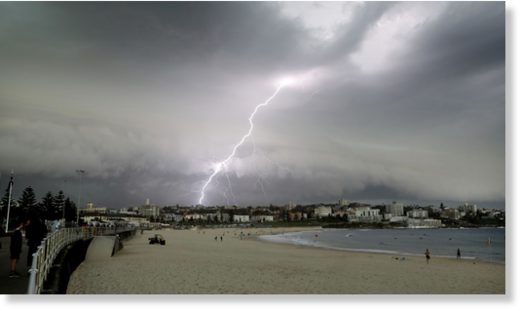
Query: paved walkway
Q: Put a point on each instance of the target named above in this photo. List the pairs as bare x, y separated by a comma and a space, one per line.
8, 285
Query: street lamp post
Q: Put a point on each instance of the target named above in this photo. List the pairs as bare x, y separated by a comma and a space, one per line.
11, 183
63, 203
81, 173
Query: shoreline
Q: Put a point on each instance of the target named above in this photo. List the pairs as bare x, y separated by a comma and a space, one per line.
376, 251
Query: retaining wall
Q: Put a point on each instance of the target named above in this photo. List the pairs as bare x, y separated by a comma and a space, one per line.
74, 254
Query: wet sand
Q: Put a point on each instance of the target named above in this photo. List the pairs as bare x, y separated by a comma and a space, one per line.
192, 262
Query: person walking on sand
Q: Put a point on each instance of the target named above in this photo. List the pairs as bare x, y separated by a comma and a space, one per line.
427, 254
458, 253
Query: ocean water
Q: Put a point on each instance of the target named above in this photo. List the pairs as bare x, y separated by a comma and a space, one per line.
473, 242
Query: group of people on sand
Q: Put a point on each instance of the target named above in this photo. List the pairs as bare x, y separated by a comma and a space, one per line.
427, 254
35, 232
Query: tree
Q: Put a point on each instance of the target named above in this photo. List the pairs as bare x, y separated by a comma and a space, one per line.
28, 201
59, 203
48, 207
70, 210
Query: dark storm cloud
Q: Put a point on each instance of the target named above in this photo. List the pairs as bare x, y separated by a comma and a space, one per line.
409, 103
160, 33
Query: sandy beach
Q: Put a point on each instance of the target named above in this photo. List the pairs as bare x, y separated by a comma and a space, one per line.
192, 262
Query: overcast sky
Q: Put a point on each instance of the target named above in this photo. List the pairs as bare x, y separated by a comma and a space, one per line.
392, 101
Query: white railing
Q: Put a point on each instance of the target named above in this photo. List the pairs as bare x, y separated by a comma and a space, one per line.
52, 245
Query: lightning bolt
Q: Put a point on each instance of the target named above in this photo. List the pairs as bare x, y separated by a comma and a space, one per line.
259, 179
226, 161
230, 188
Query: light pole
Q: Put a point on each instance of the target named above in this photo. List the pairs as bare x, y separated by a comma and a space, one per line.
63, 203
81, 173
11, 183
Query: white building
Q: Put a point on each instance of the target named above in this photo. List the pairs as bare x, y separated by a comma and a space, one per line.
149, 210
450, 213
322, 211
343, 202
127, 211
194, 216
469, 208
399, 219
172, 217
240, 218
367, 214
262, 218
211, 216
136, 220
91, 209
417, 213
396, 209
223, 216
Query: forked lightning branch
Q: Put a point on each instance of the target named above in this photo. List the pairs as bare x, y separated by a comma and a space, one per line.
219, 166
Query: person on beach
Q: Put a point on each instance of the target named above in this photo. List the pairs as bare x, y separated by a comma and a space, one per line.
427, 254
458, 253
221, 238
15, 249
216, 238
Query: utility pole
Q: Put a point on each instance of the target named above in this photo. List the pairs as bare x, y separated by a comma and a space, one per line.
11, 182
81, 173
63, 204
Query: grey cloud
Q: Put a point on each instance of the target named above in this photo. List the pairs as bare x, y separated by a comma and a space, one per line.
145, 96
351, 34
253, 34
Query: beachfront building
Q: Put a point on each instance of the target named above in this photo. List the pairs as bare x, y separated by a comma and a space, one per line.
128, 211
417, 213
468, 208
399, 219
93, 210
343, 202
322, 211
194, 216
450, 213
367, 214
172, 217
149, 210
340, 211
261, 215
223, 216
396, 209
240, 218
297, 214
212, 216
262, 218
387, 216
129, 219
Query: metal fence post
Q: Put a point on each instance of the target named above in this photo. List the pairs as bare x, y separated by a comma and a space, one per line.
32, 277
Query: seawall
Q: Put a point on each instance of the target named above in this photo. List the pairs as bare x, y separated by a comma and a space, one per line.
74, 254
